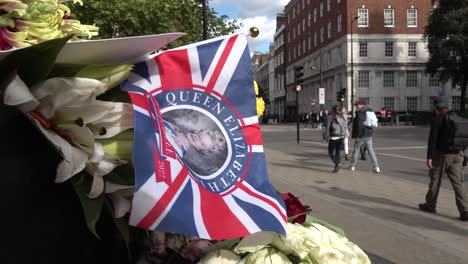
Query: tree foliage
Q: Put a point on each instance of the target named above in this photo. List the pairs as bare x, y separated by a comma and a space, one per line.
447, 36
118, 18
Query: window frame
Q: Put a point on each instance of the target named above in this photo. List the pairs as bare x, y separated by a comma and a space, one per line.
388, 82
410, 82
388, 49
434, 80
411, 105
412, 17
387, 104
363, 82
392, 17
363, 49
412, 51
363, 20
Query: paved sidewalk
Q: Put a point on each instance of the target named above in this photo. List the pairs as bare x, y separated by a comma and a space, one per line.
377, 212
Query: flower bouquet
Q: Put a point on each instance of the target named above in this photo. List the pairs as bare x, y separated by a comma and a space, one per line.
89, 123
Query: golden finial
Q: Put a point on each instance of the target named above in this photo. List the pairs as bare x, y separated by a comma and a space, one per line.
253, 32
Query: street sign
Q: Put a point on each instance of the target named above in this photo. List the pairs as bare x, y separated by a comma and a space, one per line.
321, 95
298, 88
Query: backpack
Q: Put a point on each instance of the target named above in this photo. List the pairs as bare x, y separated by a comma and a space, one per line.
371, 119
335, 129
456, 129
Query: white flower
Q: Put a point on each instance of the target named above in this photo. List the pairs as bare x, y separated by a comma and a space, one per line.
254, 242
67, 113
266, 255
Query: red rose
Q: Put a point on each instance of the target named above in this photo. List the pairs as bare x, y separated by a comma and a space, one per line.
295, 207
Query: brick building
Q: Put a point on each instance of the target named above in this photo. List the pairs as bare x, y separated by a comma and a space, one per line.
388, 54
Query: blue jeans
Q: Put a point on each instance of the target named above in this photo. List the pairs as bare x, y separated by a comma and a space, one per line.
357, 146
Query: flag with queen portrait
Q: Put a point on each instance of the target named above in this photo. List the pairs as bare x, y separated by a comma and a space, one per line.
198, 151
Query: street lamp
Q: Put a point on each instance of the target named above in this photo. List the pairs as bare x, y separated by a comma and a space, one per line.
352, 69
205, 26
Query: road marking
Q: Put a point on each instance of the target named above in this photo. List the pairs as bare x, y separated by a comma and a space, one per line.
396, 148
379, 153
400, 157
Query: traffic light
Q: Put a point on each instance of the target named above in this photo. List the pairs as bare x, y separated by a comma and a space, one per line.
341, 94
298, 74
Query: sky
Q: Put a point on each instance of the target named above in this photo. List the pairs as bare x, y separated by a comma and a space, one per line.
259, 13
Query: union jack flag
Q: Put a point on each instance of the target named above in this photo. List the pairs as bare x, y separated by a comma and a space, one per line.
198, 154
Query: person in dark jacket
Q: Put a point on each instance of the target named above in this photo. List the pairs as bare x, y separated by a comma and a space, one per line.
441, 159
363, 136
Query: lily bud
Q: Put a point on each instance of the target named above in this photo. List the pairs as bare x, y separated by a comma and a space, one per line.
120, 145
112, 74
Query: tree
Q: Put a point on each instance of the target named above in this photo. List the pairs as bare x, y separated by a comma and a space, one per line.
118, 18
447, 37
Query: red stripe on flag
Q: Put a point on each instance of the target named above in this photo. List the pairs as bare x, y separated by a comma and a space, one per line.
220, 221
268, 201
253, 135
174, 69
221, 63
164, 202
139, 100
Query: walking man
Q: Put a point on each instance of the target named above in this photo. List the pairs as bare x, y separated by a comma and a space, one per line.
362, 135
441, 159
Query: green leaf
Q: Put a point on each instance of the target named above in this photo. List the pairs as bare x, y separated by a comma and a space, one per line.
33, 63
121, 224
92, 208
312, 220
115, 95
225, 244
122, 175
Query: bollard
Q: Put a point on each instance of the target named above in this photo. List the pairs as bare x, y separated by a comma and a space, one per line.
397, 116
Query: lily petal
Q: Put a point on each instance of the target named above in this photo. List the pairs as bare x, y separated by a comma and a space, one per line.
89, 112
120, 118
56, 93
114, 187
97, 187
121, 204
74, 159
81, 136
18, 94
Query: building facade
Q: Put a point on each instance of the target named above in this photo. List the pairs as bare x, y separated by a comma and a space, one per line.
377, 47
278, 95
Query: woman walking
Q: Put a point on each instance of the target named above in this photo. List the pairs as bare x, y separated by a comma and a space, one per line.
337, 127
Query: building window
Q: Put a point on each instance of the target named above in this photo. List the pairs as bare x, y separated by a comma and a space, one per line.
338, 23
411, 79
309, 20
389, 17
363, 20
329, 30
389, 103
412, 17
321, 34
338, 1
411, 104
362, 49
456, 103
315, 39
434, 80
388, 79
304, 46
303, 25
363, 79
328, 5
412, 49
299, 49
315, 15
388, 49
294, 12
321, 9
309, 42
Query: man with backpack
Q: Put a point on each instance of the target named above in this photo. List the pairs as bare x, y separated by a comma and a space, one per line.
363, 129
448, 138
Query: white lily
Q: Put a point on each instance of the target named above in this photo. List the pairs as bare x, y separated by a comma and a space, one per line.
68, 114
120, 196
